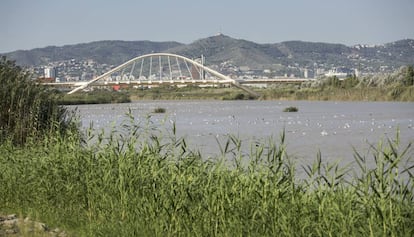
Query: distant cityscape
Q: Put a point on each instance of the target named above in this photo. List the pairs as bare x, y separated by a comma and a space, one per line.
70, 70
84, 70
236, 58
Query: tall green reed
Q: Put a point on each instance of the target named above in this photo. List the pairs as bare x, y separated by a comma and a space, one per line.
138, 179
387, 188
27, 109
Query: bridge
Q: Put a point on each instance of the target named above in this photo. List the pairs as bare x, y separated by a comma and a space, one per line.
165, 68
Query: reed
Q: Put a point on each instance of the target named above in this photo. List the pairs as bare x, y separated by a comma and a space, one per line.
27, 109
140, 180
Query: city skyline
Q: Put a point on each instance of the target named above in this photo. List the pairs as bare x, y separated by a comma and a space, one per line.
36, 24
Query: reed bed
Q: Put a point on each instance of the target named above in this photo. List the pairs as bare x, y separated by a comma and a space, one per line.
26, 108
139, 181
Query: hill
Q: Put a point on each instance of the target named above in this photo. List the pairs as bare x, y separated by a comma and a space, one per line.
301, 54
103, 52
221, 48
280, 57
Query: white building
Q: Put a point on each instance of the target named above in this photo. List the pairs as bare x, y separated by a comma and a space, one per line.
50, 72
305, 73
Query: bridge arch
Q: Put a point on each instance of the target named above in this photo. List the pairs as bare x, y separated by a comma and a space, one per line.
132, 63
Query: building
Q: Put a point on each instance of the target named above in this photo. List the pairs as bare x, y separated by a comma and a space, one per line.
50, 72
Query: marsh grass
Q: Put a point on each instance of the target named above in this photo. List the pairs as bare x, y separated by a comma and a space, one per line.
139, 181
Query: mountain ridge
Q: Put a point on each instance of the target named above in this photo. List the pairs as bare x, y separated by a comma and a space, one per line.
239, 52
100, 51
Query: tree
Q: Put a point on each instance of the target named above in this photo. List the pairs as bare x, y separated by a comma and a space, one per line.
27, 109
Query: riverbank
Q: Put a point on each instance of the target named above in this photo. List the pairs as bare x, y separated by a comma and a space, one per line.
283, 92
397, 86
391, 93
287, 92
94, 97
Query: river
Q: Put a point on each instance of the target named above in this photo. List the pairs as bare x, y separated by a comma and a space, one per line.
333, 128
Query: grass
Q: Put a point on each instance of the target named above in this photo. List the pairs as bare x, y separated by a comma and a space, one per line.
95, 97
279, 92
274, 92
140, 181
188, 93
362, 93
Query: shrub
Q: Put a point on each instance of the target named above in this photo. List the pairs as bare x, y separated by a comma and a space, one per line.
291, 109
239, 96
159, 110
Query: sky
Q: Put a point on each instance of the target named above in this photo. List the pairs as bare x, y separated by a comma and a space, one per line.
28, 24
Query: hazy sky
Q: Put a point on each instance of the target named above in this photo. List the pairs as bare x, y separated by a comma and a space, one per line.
27, 24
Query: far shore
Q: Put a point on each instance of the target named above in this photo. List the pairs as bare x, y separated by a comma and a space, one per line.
276, 93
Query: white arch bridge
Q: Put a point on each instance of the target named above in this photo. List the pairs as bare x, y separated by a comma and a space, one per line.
160, 68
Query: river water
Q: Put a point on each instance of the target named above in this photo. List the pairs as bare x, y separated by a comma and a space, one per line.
333, 128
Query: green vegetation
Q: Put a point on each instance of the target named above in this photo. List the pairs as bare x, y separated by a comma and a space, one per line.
291, 109
27, 110
159, 110
395, 92
392, 87
95, 97
409, 76
139, 181
189, 93
388, 87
